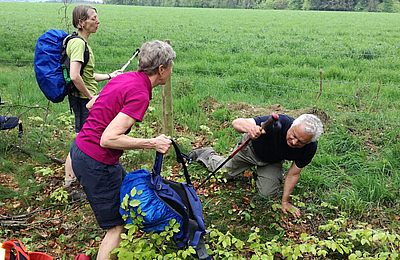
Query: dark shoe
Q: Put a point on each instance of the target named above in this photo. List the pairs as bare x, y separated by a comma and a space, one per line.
75, 192
76, 195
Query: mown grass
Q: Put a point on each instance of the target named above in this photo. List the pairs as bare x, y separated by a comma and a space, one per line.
229, 63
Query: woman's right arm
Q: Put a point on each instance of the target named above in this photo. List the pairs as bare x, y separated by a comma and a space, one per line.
75, 75
114, 137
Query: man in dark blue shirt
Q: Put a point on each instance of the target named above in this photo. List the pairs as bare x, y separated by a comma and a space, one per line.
295, 140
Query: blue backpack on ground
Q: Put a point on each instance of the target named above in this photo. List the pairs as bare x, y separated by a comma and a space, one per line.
10, 122
163, 200
51, 64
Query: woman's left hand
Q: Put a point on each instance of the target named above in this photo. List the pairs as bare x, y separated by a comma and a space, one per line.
115, 73
89, 105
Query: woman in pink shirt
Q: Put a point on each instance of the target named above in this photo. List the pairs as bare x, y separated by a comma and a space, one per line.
99, 145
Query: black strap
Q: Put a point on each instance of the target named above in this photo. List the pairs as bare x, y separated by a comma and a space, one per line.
20, 130
64, 57
179, 158
86, 54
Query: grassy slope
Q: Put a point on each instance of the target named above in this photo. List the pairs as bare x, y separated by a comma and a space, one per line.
224, 57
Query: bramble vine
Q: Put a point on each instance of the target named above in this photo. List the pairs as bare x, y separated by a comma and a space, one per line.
337, 239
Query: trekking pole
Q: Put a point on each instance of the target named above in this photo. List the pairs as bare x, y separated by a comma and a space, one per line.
129, 61
274, 118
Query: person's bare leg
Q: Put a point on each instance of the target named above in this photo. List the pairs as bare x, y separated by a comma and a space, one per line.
110, 241
69, 177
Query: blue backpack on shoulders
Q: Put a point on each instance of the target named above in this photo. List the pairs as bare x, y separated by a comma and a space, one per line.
163, 200
51, 64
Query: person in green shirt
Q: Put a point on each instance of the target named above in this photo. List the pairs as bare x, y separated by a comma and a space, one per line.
86, 22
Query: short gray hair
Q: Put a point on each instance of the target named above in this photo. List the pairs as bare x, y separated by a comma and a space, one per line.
312, 125
153, 54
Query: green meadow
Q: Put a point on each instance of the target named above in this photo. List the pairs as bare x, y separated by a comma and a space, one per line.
342, 66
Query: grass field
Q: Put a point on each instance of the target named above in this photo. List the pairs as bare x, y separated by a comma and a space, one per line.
229, 63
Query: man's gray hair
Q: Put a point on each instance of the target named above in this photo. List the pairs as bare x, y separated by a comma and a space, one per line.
153, 54
312, 125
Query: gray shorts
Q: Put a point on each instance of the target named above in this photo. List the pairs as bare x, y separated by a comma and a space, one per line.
101, 183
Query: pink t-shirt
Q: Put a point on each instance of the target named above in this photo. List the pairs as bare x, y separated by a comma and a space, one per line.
129, 93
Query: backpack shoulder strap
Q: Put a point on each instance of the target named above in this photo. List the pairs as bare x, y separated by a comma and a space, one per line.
17, 249
86, 54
